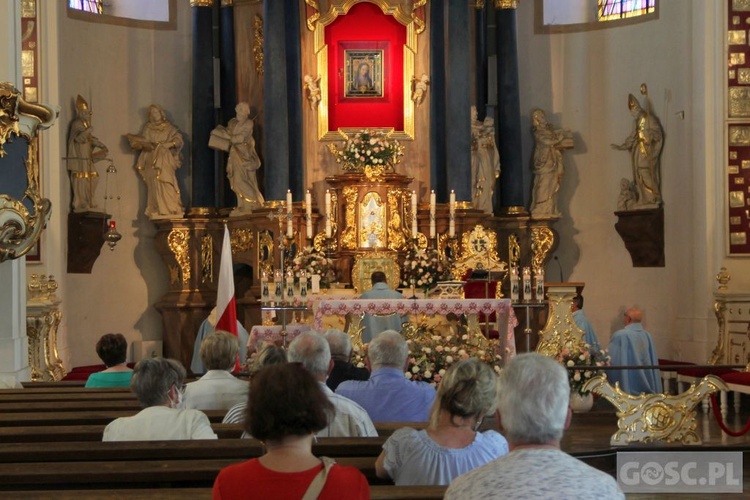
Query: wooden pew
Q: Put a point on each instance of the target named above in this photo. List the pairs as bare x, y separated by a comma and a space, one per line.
58, 406
66, 433
22, 397
92, 417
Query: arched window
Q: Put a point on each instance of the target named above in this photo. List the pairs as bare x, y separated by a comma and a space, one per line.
610, 10
92, 6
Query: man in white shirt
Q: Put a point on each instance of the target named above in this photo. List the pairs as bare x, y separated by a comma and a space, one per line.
157, 383
218, 389
351, 420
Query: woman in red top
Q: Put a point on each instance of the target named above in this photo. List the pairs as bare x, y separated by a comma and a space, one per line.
286, 407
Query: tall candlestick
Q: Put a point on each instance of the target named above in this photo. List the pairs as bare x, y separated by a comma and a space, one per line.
452, 217
308, 213
413, 214
328, 214
289, 226
432, 214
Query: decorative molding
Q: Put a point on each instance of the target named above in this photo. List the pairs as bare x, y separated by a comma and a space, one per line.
241, 240
258, 43
207, 259
506, 4
201, 3
179, 244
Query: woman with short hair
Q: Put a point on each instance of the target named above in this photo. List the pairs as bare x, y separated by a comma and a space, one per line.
112, 349
286, 407
218, 389
450, 445
157, 383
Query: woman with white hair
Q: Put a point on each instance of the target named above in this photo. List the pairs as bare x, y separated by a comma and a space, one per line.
451, 444
157, 383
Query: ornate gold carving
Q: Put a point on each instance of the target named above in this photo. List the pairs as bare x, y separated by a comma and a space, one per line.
12, 106
349, 236
718, 354
396, 238
741, 5
542, 239
371, 217
207, 259
179, 244
355, 329
367, 263
737, 37
478, 251
174, 275
655, 417
514, 251
43, 317
258, 44
560, 328
265, 253
723, 278
479, 4
241, 240
416, 19
201, 3
447, 247
506, 4
315, 16
739, 102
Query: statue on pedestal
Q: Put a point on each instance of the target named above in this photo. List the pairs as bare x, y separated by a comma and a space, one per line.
84, 150
160, 143
237, 139
547, 164
485, 162
645, 144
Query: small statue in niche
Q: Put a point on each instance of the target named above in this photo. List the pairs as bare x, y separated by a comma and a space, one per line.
159, 143
84, 150
313, 90
485, 161
627, 198
237, 139
419, 88
645, 145
549, 143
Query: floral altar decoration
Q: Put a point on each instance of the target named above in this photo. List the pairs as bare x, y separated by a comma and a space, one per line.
582, 355
423, 269
312, 261
371, 152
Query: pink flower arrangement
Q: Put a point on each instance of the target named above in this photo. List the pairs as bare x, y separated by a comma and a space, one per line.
312, 262
424, 267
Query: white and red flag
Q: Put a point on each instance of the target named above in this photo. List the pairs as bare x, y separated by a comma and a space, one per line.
226, 309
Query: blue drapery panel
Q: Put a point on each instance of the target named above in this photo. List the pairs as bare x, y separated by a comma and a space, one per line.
508, 120
282, 112
203, 188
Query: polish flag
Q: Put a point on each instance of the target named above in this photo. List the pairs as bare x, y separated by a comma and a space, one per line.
226, 309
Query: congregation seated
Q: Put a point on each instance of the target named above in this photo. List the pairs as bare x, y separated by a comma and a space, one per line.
287, 407
218, 389
157, 383
207, 328
341, 353
633, 345
349, 419
269, 354
112, 349
388, 396
533, 411
450, 445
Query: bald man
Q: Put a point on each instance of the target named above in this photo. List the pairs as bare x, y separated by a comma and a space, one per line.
633, 345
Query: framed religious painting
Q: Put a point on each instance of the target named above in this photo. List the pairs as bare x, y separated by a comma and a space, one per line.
364, 73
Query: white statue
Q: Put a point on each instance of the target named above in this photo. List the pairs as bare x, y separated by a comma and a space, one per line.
84, 150
419, 88
313, 90
548, 164
485, 162
645, 143
243, 159
160, 143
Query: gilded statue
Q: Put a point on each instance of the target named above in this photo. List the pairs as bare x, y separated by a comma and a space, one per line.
645, 145
549, 143
84, 150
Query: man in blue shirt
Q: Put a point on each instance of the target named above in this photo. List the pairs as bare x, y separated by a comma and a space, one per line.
634, 346
373, 325
583, 323
388, 396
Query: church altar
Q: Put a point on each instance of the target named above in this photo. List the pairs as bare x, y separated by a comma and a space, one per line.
273, 333
506, 318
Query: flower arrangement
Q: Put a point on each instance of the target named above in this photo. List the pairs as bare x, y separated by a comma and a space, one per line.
430, 356
367, 149
313, 261
582, 356
424, 267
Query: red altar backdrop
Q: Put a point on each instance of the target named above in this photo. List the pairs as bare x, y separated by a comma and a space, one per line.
366, 28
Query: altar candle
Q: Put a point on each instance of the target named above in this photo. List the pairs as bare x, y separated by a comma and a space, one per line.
432, 214
308, 213
289, 228
527, 284
328, 213
452, 217
413, 214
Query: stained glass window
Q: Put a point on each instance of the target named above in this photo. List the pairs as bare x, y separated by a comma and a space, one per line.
93, 6
610, 10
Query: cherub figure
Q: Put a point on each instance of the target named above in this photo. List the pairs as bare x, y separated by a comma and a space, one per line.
313, 90
627, 198
419, 88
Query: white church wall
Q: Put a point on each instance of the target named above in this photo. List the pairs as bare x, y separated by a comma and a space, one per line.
120, 71
582, 80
